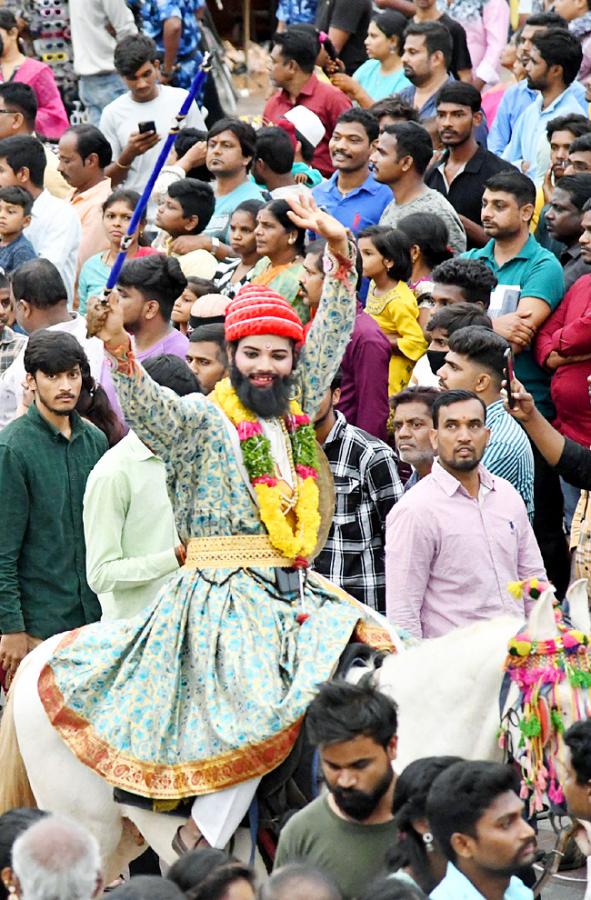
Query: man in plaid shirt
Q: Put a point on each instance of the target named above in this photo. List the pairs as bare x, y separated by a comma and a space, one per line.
11, 343
367, 485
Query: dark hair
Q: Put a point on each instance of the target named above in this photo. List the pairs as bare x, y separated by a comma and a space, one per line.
578, 187
249, 206
457, 315
242, 130
449, 398
409, 805
185, 139
416, 393
7, 20
200, 286
460, 93
581, 144
482, 346
546, 20
393, 245
558, 47
4, 282
12, 824
148, 887
52, 352
337, 380
18, 196
362, 117
282, 880
461, 795
213, 333
279, 210
133, 52
25, 152
437, 38
430, 234
391, 22
321, 39
215, 885
275, 149
578, 740
19, 97
396, 107
576, 123
298, 45
515, 183
172, 372
39, 283
389, 888
94, 405
473, 276
122, 195
158, 278
341, 712
196, 199
412, 140
192, 868
90, 139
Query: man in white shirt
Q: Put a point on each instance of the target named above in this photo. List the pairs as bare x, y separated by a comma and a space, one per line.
147, 102
93, 26
55, 229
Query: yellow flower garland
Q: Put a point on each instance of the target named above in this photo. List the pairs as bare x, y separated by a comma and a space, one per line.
298, 543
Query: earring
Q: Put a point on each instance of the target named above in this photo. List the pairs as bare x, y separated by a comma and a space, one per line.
291, 240
428, 842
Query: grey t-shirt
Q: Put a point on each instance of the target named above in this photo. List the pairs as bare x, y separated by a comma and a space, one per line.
428, 202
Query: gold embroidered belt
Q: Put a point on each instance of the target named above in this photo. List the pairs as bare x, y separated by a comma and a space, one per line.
234, 551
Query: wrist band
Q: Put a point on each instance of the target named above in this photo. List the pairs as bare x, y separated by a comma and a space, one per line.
121, 166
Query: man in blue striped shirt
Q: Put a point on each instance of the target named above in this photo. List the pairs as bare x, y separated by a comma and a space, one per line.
475, 362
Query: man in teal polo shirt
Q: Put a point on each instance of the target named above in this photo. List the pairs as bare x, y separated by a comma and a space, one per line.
530, 285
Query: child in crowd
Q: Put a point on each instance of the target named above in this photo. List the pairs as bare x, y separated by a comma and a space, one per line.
385, 253
16, 204
181, 311
117, 212
186, 210
232, 274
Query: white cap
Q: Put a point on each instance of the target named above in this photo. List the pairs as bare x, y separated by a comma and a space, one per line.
307, 123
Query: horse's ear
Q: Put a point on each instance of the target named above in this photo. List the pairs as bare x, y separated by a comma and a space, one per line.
578, 604
541, 624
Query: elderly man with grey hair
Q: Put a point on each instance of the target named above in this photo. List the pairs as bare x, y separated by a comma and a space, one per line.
56, 859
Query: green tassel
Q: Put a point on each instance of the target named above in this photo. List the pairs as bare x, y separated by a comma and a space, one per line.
531, 727
557, 721
579, 679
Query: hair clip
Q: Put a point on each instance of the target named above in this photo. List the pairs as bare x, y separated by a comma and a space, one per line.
322, 36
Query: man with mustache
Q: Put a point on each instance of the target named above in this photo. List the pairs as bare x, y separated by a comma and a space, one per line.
348, 831
45, 458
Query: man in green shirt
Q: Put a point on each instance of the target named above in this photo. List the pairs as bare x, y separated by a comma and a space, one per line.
530, 286
348, 831
45, 459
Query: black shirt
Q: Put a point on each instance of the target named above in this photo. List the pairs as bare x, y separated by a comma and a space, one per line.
574, 266
460, 55
574, 465
466, 190
352, 16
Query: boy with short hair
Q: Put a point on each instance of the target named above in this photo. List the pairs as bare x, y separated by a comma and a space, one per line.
186, 209
16, 204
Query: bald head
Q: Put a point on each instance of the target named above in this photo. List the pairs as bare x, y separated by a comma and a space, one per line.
56, 858
298, 881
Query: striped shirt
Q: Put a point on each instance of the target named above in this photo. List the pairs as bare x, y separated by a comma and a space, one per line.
509, 454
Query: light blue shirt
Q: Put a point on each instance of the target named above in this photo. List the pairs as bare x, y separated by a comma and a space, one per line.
219, 224
376, 84
456, 886
529, 142
358, 209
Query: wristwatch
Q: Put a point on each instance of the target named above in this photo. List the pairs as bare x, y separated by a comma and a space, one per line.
215, 245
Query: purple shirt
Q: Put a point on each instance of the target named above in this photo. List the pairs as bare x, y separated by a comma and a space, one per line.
364, 389
450, 556
174, 342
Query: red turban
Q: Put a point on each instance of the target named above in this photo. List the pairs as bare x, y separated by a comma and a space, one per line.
257, 309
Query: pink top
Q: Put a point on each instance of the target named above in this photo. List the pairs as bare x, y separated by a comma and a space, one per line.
450, 556
52, 119
486, 34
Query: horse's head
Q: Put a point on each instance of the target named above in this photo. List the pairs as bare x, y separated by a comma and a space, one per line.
549, 673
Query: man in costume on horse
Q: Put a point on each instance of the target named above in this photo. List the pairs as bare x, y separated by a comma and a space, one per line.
205, 691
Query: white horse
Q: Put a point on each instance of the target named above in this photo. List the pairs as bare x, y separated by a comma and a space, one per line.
447, 692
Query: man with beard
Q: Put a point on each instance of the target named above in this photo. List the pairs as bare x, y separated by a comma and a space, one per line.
238, 638
348, 831
476, 816
412, 424
45, 458
456, 541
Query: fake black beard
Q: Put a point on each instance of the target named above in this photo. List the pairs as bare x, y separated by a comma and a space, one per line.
357, 804
266, 403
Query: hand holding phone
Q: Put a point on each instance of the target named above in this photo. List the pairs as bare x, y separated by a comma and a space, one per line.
509, 376
146, 127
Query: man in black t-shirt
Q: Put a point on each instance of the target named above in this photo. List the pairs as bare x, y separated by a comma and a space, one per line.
346, 23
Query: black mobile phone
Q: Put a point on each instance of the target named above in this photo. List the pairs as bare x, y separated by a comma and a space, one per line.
145, 127
509, 375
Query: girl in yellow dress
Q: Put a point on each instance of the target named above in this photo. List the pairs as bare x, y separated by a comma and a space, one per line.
386, 260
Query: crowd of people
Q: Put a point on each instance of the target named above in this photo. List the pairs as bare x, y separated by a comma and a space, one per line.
339, 392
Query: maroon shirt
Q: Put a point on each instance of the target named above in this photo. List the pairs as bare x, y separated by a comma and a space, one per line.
323, 99
364, 388
568, 332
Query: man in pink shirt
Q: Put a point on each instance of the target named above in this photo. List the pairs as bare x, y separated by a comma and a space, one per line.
460, 536
293, 58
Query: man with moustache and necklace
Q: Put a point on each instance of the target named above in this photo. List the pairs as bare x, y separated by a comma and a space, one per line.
204, 692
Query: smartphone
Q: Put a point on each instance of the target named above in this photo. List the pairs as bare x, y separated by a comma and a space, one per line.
509, 375
145, 127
